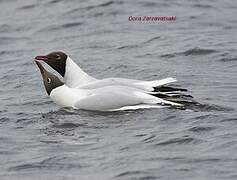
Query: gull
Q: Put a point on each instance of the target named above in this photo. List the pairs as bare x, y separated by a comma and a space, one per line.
106, 98
75, 77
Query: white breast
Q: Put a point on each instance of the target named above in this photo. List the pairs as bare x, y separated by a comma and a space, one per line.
66, 97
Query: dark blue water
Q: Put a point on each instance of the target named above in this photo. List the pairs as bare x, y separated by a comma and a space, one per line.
38, 140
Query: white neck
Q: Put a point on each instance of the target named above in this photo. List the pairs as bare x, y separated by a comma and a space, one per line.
74, 75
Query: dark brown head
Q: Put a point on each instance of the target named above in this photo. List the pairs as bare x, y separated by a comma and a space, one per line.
50, 80
57, 60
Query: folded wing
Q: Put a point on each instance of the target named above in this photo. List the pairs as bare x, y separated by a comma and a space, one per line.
115, 97
143, 85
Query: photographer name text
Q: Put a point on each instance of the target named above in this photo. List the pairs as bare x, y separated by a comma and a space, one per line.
151, 18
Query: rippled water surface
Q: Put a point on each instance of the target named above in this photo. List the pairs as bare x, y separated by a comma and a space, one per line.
38, 140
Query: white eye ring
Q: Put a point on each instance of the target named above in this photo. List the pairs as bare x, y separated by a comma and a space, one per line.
49, 80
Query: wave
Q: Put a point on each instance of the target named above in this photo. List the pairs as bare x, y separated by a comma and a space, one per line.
210, 107
48, 163
27, 7
228, 59
200, 129
190, 52
198, 51
68, 125
180, 141
62, 26
139, 44
4, 119
105, 4
135, 173
54, 1
202, 6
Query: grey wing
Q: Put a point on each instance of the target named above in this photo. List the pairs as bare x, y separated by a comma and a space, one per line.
142, 85
109, 82
107, 101
115, 97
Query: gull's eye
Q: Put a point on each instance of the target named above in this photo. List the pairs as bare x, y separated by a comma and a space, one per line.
57, 56
49, 80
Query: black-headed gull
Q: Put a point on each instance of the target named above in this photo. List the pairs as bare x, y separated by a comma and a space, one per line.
75, 77
107, 98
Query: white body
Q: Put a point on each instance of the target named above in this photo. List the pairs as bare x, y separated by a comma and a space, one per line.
108, 98
82, 91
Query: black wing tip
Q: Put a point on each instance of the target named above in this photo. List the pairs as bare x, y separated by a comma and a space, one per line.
168, 89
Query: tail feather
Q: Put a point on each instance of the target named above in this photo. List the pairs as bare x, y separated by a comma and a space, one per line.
168, 89
157, 83
177, 95
178, 98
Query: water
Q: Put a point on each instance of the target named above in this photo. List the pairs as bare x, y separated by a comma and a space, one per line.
41, 141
